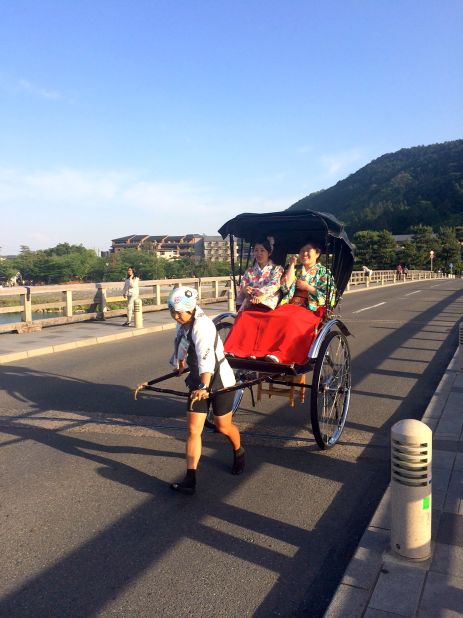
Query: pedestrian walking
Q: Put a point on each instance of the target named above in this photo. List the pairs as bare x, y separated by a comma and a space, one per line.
198, 345
131, 292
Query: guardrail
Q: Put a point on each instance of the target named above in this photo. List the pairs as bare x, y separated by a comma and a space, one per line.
92, 301
387, 277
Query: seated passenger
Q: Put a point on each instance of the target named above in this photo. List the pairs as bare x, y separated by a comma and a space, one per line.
286, 334
260, 284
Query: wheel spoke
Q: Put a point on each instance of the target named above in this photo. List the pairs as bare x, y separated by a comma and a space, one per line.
332, 390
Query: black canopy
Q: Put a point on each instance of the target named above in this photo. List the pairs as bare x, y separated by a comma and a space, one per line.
291, 230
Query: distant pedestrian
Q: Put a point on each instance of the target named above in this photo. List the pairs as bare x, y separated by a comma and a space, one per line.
131, 292
367, 271
405, 272
399, 271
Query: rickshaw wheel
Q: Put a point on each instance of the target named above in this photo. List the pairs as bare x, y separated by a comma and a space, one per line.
330, 390
223, 328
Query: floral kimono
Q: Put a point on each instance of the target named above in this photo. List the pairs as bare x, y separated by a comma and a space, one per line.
317, 276
267, 279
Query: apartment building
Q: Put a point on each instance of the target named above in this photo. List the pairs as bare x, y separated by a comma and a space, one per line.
211, 248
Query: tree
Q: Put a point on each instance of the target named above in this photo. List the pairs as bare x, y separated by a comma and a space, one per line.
450, 252
424, 241
376, 250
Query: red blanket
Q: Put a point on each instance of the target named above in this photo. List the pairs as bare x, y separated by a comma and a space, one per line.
287, 333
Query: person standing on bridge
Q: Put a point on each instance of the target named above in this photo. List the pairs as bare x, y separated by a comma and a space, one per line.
198, 345
131, 292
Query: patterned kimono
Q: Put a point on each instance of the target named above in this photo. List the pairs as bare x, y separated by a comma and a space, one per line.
320, 278
287, 332
267, 279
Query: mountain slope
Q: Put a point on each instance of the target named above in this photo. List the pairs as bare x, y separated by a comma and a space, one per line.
411, 186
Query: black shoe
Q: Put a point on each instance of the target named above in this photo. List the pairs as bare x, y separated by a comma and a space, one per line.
183, 488
238, 461
126, 324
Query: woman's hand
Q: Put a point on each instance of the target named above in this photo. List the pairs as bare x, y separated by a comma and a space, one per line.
181, 366
293, 260
199, 394
303, 285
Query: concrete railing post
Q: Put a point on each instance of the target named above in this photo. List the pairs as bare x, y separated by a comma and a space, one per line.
157, 293
411, 476
103, 302
199, 288
67, 297
231, 297
138, 312
26, 306
216, 288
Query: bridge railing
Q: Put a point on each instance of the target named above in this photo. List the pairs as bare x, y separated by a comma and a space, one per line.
387, 277
32, 307
51, 305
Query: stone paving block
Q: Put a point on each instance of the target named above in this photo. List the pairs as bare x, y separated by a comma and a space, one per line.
364, 567
443, 459
348, 602
398, 589
448, 559
438, 500
459, 462
450, 529
440, 479
449, 427
442, 597
377, 613
454, 493
382, 516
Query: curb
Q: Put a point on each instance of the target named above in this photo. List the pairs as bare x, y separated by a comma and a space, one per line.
82, 343
375, 579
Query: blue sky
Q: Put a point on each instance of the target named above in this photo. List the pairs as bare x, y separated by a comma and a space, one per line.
121, 117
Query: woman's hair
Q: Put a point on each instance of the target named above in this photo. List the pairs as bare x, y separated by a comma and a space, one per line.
132, 269
265, 243
314, 244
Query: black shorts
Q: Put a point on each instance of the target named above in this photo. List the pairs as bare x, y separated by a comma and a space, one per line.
221, 404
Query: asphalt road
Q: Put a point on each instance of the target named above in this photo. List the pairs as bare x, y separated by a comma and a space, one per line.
90, 528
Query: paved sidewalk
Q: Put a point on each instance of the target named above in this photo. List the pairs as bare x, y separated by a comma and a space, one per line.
379, 584
14, 347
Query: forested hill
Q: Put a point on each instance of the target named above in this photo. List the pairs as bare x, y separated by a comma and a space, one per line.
412, 186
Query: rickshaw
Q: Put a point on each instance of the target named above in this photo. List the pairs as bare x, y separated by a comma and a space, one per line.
328, 358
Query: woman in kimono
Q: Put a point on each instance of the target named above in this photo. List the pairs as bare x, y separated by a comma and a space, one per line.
285, 334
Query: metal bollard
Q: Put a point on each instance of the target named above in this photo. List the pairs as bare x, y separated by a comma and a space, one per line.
231, 298
411, 476
138, 312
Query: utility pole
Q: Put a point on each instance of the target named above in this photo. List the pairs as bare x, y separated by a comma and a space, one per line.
431, 255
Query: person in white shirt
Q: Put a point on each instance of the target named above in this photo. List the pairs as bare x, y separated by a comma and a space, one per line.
130, 291
198, 346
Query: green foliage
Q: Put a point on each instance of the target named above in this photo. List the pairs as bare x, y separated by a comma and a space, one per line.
67, 262
377, 250
399, 190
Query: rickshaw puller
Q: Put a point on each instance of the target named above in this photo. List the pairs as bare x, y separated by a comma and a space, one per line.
198, 345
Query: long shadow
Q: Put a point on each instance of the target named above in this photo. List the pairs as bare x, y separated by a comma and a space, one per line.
306, 581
